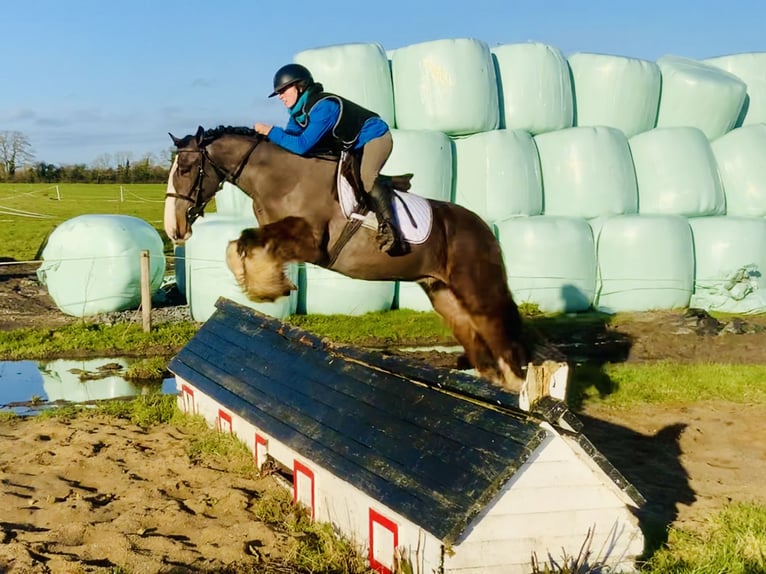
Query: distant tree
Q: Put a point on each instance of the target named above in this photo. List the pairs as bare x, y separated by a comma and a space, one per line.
47, 172
101, 169
15, 152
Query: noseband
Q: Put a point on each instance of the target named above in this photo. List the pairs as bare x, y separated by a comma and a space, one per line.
197, 207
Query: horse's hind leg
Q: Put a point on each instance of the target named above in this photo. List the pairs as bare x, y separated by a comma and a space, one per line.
459, 321
477, 278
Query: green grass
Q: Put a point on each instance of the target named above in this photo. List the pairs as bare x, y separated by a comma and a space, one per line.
627, 385
22, 234
732, 541
145, 411
89, 339
398, 327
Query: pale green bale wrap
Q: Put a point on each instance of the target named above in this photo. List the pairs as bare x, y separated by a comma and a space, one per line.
699, 95
427, 155
730, 262
534, 87
750, 67
497, 174
326, 292
92, 263
445, 85
231, 201
741, 158
645, 262
676, 173
587, 172
550, 260
615, 91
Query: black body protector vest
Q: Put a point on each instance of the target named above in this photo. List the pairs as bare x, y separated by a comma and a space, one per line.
345, 133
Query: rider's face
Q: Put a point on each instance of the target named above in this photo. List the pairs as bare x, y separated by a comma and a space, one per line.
289, 96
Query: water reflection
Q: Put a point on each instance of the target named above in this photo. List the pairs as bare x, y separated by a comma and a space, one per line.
27, 386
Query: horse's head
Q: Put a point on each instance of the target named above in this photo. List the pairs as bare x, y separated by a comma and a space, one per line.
193, 181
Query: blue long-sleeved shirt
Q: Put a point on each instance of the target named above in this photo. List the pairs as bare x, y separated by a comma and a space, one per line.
323, 116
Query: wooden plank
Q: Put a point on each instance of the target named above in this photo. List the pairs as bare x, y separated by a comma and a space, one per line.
398, 391
456, 381
396, 396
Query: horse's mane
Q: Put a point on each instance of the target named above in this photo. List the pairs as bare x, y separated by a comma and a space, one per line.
215, 133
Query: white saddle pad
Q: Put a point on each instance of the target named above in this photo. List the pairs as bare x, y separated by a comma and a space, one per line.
413, 213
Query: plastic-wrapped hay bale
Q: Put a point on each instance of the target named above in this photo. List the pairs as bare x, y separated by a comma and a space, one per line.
740, 155
535, 88
325, 292
359, 72
497, 174
445, 85
233, 202
615, 91
644, 262
92, 263
208, 277
428, 156
750, 67
699, 95
587, 172
730, 264
179, 267
676, 173
551, 261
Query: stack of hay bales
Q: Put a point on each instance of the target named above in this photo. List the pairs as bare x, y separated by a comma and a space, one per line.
611, 182
597, 172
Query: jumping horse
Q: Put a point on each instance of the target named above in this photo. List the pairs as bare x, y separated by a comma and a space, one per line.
296, 203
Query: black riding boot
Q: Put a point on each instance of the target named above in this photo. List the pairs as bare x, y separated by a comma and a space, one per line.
389, 236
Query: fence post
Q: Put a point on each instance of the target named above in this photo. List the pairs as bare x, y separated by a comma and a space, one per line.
146, 295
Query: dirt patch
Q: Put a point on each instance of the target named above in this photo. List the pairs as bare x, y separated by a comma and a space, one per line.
91, 496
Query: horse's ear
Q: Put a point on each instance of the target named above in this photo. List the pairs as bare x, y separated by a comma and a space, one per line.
200, 133
176, 141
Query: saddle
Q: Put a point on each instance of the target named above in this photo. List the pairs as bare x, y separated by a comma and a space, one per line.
350, 165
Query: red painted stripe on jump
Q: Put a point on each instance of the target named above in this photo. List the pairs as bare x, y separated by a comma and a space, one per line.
390, 525
262, 441
223, 416
299, 468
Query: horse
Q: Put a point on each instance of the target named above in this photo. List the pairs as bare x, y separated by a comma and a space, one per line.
296, 203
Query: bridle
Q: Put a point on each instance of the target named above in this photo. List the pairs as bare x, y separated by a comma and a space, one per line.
197, 207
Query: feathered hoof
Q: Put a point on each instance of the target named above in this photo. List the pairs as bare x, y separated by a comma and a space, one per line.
260, 275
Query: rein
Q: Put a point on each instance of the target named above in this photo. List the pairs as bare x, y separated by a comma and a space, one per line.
197, 209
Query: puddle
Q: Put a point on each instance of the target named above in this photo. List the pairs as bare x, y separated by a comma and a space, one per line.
28, 386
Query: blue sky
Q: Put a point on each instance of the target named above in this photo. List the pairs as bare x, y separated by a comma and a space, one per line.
84, 78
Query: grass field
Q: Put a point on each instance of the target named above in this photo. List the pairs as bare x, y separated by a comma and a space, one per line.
29, 212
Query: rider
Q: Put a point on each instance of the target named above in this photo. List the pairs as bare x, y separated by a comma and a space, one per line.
321, 122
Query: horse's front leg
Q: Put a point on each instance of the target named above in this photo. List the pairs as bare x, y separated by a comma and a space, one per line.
258, 258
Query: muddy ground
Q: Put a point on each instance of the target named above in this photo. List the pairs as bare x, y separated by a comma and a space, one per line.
86, 497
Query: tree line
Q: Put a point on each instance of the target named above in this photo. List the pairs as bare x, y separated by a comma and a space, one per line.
18, 164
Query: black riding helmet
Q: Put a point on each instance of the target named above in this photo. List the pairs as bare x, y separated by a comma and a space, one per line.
288, 75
